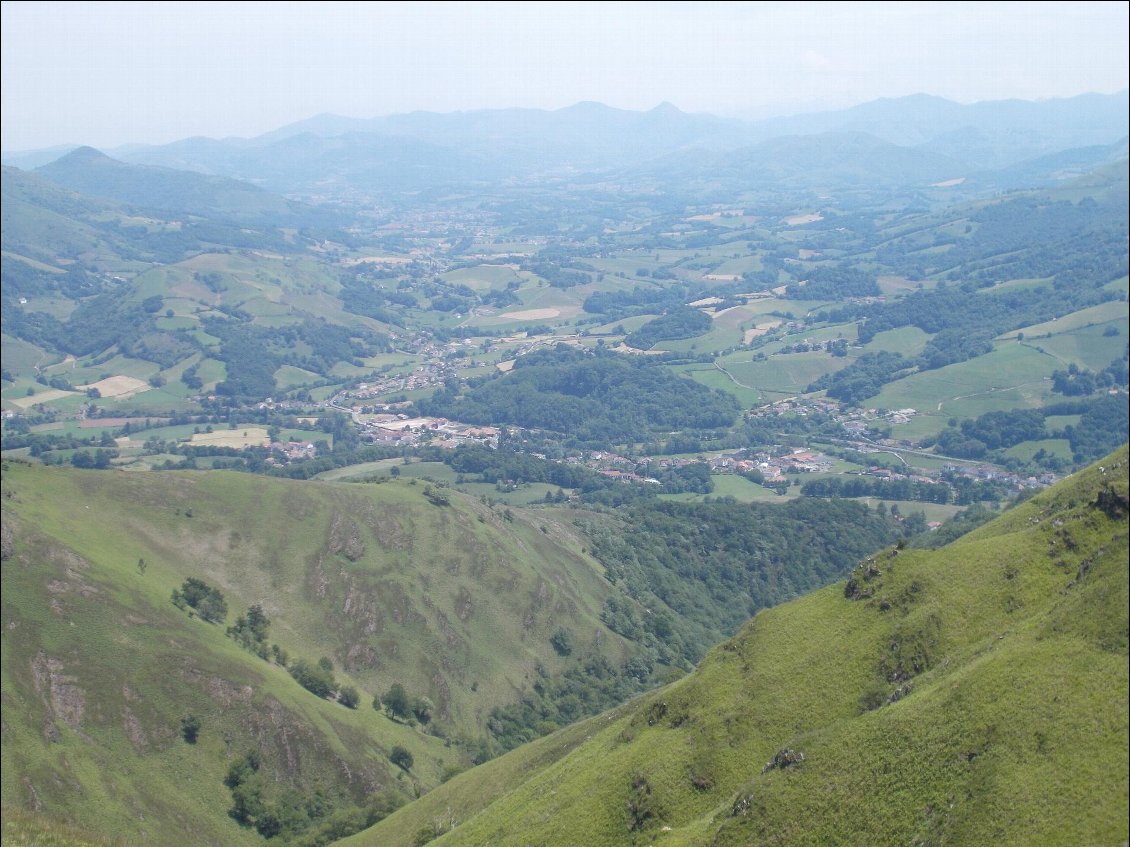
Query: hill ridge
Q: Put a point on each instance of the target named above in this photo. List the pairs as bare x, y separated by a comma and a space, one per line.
947, 711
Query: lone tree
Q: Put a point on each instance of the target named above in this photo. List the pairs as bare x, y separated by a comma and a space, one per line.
189, 728
397, 702
349, 697
401, 758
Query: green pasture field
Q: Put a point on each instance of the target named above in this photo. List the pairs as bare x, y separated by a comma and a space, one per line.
346, 370
174, 373
528, 494
932, 511
545, 296
784, 374
718, 337
1013, 376
738, 266
897, 285
360, 471
288, 377
1110, 312
908, 340
486, 277
393, 360
1087, 347
21, 357
712, 377
177, 322
276, 321
1059, 447
1057, 422
743, 490
626, 266
629, 324
212, 372
1015, 284
82, 372
58, 307
262, 307
181, 432
27, 260
153, 401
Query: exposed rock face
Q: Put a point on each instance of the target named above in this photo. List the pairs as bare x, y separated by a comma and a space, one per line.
7, 542
786, 757
345, 538
1114, 504
64, 700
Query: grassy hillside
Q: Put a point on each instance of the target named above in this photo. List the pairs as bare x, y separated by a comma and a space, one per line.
456, 602
972, 695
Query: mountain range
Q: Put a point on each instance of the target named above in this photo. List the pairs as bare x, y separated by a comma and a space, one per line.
334, 155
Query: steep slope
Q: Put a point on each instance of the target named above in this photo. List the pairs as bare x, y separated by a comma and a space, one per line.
972, 695
453, 601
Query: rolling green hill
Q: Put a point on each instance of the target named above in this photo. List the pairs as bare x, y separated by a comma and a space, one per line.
394, 584
90, 172
976, 694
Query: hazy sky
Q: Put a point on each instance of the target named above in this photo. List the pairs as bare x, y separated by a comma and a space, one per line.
111, 73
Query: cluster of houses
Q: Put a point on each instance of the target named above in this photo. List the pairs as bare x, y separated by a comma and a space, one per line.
772, 468
401, 430
293, 450
989, 473
422, 376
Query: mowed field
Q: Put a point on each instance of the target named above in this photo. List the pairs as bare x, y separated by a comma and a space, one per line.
252, 436
118, 386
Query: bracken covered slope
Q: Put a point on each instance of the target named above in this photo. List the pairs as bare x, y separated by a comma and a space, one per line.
451, 599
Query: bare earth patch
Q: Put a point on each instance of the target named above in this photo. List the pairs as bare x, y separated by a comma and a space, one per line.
758, 330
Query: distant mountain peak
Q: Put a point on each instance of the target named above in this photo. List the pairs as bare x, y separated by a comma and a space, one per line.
84, 154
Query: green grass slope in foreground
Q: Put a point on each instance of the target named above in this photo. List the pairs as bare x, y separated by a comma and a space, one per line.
456, 602
976, 694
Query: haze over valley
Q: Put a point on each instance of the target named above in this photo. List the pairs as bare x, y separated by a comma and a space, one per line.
569, 471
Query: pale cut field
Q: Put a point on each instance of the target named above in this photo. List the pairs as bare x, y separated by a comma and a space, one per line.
118, 386
531, 315
252, 436
41, 397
